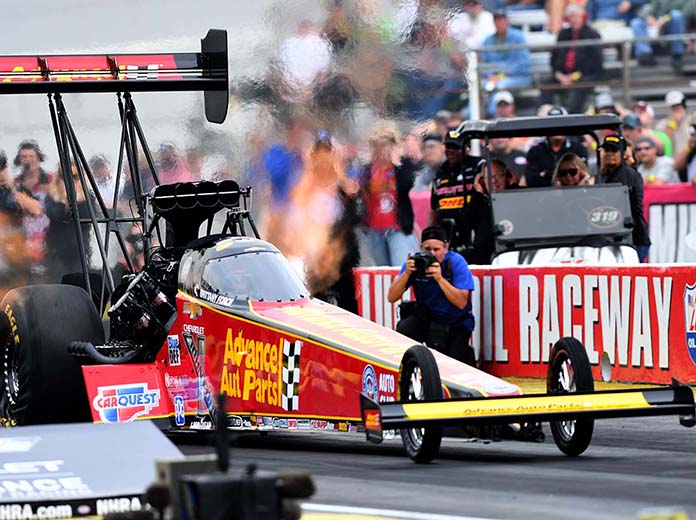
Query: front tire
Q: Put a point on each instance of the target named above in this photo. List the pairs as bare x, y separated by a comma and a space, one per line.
41, 382
569, 372
419, 379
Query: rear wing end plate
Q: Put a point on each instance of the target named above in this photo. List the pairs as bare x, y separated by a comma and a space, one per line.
677, 400
205, 71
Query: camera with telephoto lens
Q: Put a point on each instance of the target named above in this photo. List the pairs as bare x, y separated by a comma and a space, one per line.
423, 260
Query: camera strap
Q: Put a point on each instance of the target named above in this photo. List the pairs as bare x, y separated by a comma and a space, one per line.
447, 270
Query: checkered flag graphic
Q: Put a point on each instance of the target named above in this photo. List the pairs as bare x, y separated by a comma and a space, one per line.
291, 375
139, 72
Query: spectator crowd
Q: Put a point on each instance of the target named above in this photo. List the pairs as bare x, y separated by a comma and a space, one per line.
336, 197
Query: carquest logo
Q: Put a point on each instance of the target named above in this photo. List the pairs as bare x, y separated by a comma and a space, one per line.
604, 217
123, 403
690, 319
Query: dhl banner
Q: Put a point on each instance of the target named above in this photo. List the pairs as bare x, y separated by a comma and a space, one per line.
670, 210
641, 320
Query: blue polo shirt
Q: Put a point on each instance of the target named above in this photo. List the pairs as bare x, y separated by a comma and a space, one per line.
429, 294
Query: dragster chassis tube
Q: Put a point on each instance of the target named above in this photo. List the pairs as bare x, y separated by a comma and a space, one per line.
676, 400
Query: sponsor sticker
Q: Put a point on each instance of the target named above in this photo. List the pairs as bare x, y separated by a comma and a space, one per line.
319, 424
179, 411
280, 422
372, 420
124, 403
202, 423
174, 350
369, 382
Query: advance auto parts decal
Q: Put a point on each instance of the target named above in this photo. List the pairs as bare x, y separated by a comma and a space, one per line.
267, 371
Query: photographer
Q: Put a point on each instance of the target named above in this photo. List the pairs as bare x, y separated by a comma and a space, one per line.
442, 283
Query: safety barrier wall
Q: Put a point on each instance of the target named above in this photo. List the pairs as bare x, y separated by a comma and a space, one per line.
639, 319
670, 210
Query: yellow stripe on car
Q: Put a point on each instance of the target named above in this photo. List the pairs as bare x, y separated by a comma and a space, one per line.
516, 406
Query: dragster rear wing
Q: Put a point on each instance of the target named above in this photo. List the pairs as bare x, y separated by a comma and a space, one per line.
675, 400
194, 71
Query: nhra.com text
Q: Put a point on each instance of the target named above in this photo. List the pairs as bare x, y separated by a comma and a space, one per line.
31, 512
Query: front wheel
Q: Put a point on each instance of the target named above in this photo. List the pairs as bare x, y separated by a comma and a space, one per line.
569, 372
419, 379
41, 381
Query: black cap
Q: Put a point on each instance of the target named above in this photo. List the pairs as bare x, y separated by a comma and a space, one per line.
434, 232
453, 139
613, 141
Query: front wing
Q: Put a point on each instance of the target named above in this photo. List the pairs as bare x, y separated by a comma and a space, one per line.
675, 400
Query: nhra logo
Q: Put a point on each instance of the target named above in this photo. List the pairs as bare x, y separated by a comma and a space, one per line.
369, 383
690, 319
123, 403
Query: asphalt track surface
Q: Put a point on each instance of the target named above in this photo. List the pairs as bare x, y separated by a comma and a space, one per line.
632, 466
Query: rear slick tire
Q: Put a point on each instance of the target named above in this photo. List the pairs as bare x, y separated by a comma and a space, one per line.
569, 372
419, 379
41, 382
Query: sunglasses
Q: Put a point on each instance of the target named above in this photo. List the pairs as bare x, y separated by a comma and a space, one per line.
562, 172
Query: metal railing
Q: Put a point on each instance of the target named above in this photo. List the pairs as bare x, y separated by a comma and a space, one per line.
627, 81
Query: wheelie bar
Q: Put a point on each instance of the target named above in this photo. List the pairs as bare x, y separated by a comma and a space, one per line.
675, 400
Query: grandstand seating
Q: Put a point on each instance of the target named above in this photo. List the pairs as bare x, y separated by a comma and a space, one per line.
647, 83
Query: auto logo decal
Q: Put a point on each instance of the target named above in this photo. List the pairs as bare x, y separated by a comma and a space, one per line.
123, 403
193, 309
690, 319
604, 217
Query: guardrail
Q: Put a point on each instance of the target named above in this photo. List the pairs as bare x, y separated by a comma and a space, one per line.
628, 81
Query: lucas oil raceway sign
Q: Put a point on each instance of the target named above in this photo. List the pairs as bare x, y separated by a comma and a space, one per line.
639, 319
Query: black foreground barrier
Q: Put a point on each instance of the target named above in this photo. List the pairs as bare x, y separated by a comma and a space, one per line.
72, 470
131, 471
202, 488
186, 491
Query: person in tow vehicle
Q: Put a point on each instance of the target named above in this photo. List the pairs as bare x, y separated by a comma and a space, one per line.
442, 284
614, 170
571, 170
543, 157
453, 194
